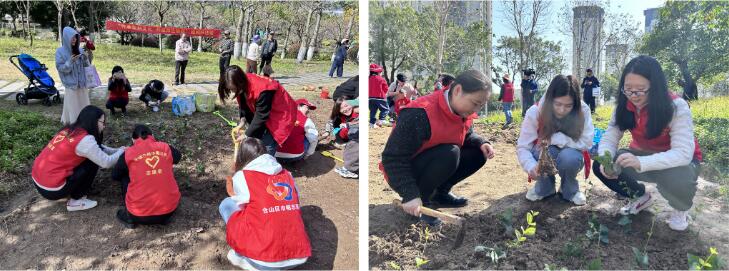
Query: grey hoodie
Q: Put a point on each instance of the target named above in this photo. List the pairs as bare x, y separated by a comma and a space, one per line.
71, 71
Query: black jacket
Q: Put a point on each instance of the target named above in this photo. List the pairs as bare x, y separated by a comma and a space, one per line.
349, 88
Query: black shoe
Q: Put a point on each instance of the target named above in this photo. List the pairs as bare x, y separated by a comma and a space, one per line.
447, 200
430, 220
123, 217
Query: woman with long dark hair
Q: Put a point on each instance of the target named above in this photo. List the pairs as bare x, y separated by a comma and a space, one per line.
68, 164
663, 149
562, 123
264, 105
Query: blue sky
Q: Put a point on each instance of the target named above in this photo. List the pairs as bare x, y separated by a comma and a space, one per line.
633, 7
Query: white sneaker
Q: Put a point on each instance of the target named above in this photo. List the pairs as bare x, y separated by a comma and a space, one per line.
579, 198
239, 261
637, 205
532, 194
678, 220
80, 204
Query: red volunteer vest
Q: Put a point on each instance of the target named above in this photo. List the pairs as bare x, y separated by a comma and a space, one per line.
152, 186
270, 227
295, 143
118, 93
508, 96
58, 159
445, 126
659, 144
283, 109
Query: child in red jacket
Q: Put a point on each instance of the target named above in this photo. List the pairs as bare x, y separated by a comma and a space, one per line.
507, 98
263, 220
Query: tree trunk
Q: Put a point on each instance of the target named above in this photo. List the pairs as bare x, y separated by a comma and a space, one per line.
202, 18
312, 43
286, 41
239, 32
92, 16
304, 40
60, 25
349, 27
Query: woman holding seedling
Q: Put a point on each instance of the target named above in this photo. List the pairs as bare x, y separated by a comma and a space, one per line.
561, 125
663, 149
265, 106
433, 146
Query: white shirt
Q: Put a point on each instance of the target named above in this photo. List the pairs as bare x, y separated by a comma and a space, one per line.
253, 52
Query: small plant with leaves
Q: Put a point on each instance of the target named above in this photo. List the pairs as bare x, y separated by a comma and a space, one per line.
606, 160
420, 262
548, 267
506, 219
520, 235
494, 253
711, 262
595, 264
625, 222
597, 231
394, 265
641, 257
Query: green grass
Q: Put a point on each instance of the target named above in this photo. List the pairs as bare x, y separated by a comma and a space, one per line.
23, 134
143, 64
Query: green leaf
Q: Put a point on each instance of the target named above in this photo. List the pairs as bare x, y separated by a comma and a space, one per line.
640, 257
604, 234
595, 264
479, 249
624, 220
530, 231
693, 262
420, 262
522, 239
395, 266
712, 250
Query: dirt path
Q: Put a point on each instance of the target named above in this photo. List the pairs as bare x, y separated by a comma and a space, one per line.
397, 239
39, 234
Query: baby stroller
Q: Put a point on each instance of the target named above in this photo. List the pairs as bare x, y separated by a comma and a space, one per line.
40, 86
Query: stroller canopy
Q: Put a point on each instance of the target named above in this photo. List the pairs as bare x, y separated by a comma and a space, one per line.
34, 70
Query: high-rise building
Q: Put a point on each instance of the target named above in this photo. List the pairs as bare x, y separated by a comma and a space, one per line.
586, 39
651, 19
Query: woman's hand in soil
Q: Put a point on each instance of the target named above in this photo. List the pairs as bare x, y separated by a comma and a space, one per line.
602, 170
627, 160
413, 206
488, 151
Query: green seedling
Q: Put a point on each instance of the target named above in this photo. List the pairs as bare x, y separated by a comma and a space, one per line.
395, 266
625, 222
506, 219
640, 257
572, 249
495, 253
595, 264
520, 235
420, 262
606, 160
711, 262
597, 231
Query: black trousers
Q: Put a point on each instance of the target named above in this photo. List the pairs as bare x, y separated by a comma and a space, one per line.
77, 185
145, 220
677, 185
120, 103
180, 67
265, 60
223, 64
589, 99
443, 166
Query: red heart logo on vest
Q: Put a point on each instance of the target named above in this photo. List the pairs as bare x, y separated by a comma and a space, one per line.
152, 161
58, 138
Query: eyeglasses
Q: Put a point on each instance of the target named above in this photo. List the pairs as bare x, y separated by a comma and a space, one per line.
103, 122
630, 93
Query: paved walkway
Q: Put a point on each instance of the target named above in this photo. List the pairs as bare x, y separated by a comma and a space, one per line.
8, 89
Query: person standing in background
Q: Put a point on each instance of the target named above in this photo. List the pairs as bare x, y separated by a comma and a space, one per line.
71, 61
226, 49
588, 84
182, 53
269, 50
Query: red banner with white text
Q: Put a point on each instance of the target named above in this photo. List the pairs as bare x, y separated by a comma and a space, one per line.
153, 29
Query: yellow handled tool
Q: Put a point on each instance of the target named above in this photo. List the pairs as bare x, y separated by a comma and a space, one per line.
331, 155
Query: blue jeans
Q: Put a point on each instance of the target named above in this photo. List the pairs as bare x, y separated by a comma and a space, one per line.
569, 162
378, 104
507, 112
300, 157
227, 207
269, 142
337, 65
